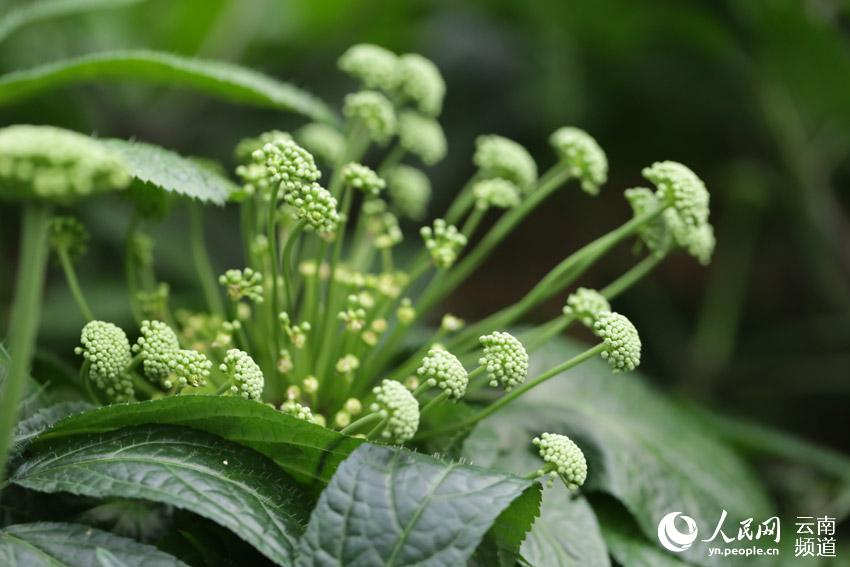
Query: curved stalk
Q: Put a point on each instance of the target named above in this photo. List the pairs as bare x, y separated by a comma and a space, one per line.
73, 283
286, 264
358, 424
201, 259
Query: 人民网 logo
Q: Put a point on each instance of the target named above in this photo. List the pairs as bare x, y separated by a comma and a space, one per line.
671, 537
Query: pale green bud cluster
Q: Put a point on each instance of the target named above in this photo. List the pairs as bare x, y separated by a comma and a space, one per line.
399, 408
442, 369
374, 111
444, 242
155, 345
246, 147
563, 459
297, 333
241, 284
496, 192
504, 359
363, 178
374, 66
287, 164
248, 380
388, 233
622, 342
585, 160
315, 205
422, 136
322, 140
189, 368
106, 348
655, 233
68, 234
406, 313
354, 316
422, 83
679, 187
586, 305
296, 410
410, 190
497, 156
347, 364
450, 323
53, 163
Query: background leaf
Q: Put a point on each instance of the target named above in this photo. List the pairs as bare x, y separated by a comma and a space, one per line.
74, 545
391, 507
172, 172
224, 80
28, 428
37, 10
305, 450
231, 485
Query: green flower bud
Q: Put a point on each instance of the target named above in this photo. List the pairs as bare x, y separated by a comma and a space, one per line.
505, 360
310, 385
497, 156
655, 234
248, 380
495, 192
563, 459
69, 234
679, 187
353, 406
347, 364
362, 178
287, 164
583, 156
621, 339
243, 284
293, 408
386, 231
189, 368
406, 312
323, 141
444, 242
374, 66
317, 206
585, 305
246, 147
410, 191
422, 136
399, 408
450, 323
155, 345
422, 83
442, 369
354, 316
106, 348
374, 111
297, 333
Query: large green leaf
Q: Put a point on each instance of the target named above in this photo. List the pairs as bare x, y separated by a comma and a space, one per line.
305, 450
229, 484
640, 447
392, 507
33, 11
30, 427
225, 80
74, 545
628, 545
172, 172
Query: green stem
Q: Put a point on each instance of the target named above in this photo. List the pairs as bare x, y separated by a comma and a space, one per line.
144, 386
201, 259
358, 424
130, 268
23, 325
631, 277
464, 200
423, 387
286, 264
73, 283
434, 401
392, 159
472, 221
274, 304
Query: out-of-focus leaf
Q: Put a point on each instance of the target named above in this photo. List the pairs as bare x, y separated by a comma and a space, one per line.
37, 10
225, 80
229, 484
626, 543
28, 428
391, 507
75, 545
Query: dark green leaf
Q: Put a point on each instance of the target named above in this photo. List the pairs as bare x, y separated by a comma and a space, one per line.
172, 172
390, 507
229, 484
43, 418
626, 543
225, 80
74, 545
303, 449
37, 10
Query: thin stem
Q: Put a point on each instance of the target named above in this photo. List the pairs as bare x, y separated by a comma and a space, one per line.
144, 386
358, 424
274, 304
73, 283
286, 264
377, 429
631, 277
464, 200
434, 401
472, 221
422, 388
23, 325
201, 259
392, 159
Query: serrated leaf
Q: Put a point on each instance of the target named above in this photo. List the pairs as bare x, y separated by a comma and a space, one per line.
75, 545
37, 10
640, 447
172, 172
391, 507
305, 450
28, 428
222, 481
224, 80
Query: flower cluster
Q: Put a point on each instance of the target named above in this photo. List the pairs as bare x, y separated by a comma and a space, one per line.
155, 346
422, 135
287, 164
363, 178
504, 359
496, 192
374, 112
442, 369
497, 156
240, 284
621, 339
398, 408
106, 350
584, 158
586, 305
293, 408
562, 458
68, 234
410, 191
444, 242
246, 376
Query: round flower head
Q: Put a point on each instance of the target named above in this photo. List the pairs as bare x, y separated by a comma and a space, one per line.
584, 158
68, 234
386, 230
323, 141
701, 243
422, 83
655, 234
363, 178
586, 305
293, 408
246, 147
410, 191
399, 408
287, 164
421, 135
563, 459
495, 192
444, 242
504, 359
497, 156
243, 284
622, 342
188, 368
374, 66
106, 348
156, 345
53, 163
442, 369
248, 380
679, 187
374, 111
316, 205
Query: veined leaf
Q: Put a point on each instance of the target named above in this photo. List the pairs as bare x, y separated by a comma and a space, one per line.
222, 481
28, 428
392, 507
36, 10
75, 545
225, 80
170, 171
304, 450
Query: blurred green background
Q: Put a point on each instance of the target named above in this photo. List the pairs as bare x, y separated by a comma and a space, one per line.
754, 96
